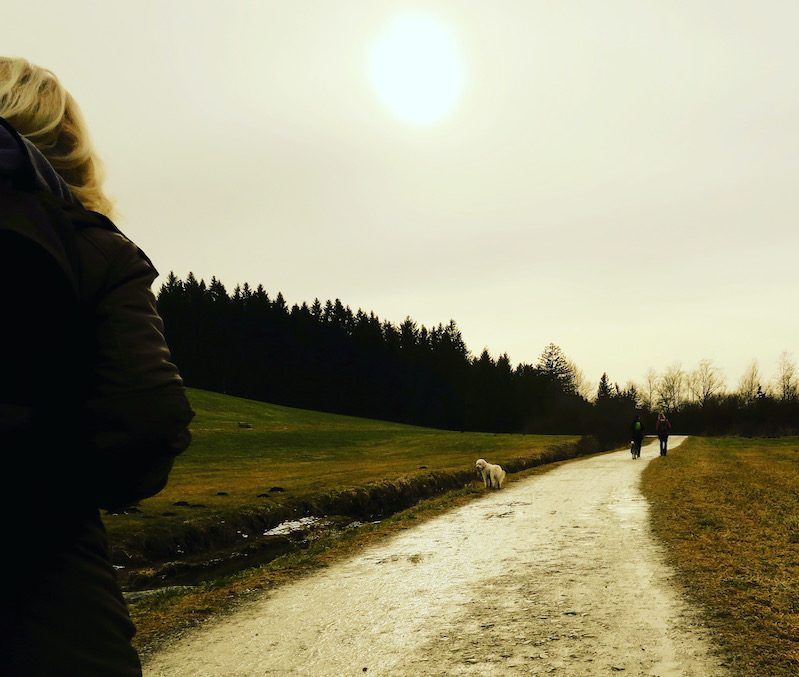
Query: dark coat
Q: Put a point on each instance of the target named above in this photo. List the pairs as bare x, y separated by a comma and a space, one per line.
92, 415
663, 428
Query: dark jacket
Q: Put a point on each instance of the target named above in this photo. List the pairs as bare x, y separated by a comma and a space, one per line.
127, 406
663, 428
92, 414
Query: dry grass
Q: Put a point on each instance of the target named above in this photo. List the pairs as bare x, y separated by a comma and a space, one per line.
728, 510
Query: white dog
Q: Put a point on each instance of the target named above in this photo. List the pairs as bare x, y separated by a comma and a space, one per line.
493, 476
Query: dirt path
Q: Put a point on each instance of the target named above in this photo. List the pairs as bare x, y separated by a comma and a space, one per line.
557, 573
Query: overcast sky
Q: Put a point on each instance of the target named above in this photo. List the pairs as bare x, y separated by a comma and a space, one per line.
617, 177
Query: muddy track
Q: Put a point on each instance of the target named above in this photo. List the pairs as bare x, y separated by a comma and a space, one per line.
557, 573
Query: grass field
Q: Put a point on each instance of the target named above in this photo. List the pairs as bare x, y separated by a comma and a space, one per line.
728, 510
303, 452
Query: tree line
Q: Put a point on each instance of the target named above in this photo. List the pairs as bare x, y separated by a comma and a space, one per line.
326, 357
701, 402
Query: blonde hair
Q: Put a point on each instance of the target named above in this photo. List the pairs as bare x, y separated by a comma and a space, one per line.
36, 104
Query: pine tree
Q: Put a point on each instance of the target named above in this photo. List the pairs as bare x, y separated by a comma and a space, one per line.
556, 368
604, 391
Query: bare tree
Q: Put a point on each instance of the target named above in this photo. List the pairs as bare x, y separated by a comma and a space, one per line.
749, 385
649, 390
786, 384
672, 387
705, 381
582, 386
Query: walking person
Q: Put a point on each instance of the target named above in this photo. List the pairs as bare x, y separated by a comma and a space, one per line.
637, 432
92, 411
663, 428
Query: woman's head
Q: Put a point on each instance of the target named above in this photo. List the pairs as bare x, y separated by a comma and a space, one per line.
661, 416
36, 104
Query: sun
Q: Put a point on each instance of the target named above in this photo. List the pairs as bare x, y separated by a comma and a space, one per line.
415, 68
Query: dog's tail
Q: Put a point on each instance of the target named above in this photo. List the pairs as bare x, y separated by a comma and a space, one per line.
501, 479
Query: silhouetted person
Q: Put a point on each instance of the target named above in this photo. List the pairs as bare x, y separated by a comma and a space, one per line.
92, 412
637, 434
663, 428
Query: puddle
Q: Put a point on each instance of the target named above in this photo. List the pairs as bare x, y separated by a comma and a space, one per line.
252, 550
293, 526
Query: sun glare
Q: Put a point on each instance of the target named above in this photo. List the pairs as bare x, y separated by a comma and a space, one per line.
416, 69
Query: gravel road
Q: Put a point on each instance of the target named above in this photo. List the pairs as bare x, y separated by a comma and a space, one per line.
554, 574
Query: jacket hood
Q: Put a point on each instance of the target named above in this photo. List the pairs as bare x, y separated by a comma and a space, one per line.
24, 169
23, 165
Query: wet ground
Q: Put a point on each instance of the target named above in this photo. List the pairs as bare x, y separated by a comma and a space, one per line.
554, 574
252, 549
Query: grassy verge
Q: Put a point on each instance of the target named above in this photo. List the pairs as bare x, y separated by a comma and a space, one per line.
728, 510
164, 616
289, 457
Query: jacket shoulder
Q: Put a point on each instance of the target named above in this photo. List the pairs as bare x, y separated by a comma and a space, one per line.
106, 255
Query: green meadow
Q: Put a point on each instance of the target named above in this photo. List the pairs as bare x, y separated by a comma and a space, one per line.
728, 510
